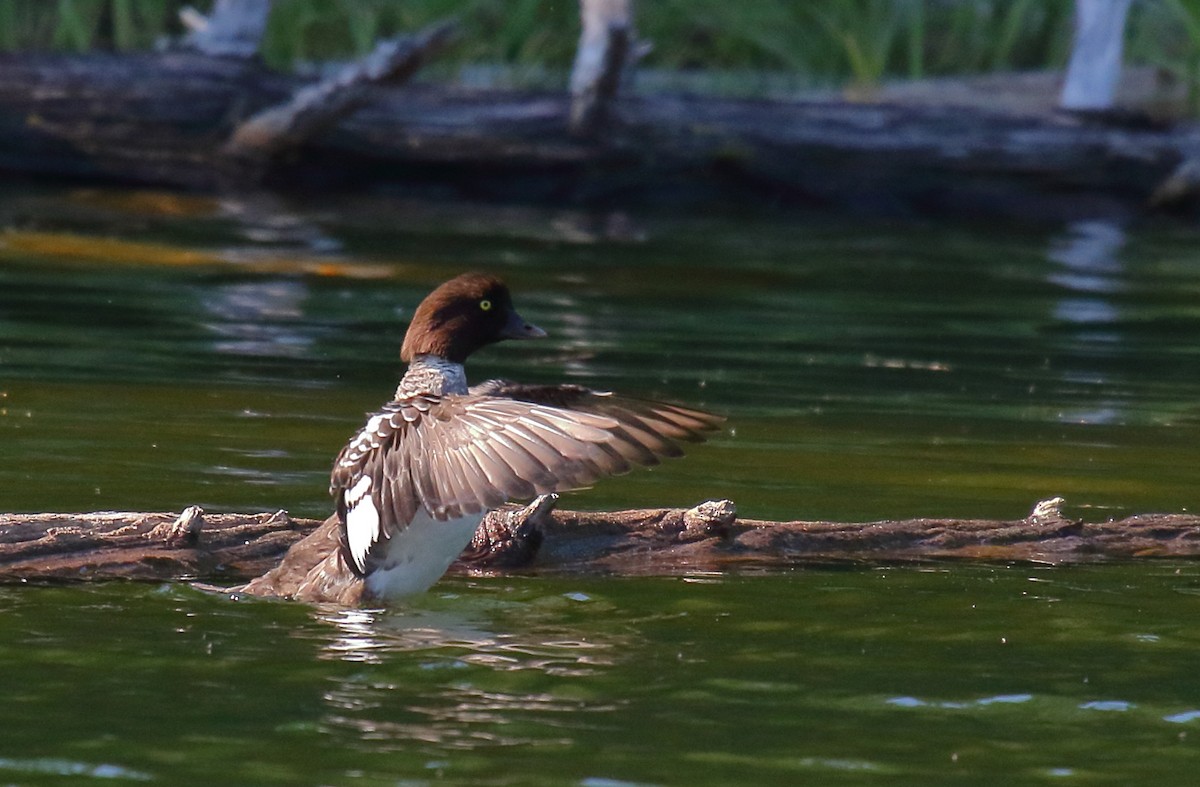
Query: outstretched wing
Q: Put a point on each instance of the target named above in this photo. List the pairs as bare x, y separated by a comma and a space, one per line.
460, 454
657, 426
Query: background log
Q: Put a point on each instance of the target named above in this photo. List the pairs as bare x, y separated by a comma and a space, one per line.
163, 119
315, 108
232, 548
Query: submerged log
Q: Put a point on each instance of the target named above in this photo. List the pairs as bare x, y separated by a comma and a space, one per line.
164, 119
233, 548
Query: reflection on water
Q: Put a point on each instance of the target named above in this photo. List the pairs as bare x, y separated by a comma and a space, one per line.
951, 673
258, 318
76, 770
895, 671
445, 645
267, 221
1088, 252
453, 633
1093, 273
356, 640
1005, 699
1049, 705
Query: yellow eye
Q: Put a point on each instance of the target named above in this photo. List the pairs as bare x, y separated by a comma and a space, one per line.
485, 304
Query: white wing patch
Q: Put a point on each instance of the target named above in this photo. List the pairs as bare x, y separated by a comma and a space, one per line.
368, 439
362, 521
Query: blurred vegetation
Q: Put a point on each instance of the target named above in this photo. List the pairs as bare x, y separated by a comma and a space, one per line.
1170, 39
827, 41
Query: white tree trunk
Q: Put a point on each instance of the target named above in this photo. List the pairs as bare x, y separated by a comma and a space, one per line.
233, 29
1095, 66
604, 45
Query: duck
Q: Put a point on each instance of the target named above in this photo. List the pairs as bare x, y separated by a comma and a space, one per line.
413, 484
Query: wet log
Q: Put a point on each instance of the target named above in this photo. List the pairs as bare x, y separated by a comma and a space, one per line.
165, 119
233, 548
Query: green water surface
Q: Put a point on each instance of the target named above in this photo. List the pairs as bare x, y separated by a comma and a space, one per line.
158, 351
996, 675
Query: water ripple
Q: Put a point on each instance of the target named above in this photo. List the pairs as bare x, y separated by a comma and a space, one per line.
60, 767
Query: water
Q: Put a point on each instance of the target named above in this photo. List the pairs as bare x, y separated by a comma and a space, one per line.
996, 675
158, 351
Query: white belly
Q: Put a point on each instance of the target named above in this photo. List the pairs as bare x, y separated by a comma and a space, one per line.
418, 555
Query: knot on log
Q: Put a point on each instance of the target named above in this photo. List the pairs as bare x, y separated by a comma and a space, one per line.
710, 518
1048, 515
510, 537
183, 532
1047, 511
280, 517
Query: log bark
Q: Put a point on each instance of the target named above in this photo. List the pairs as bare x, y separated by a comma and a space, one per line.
164, 119
144, 546
234, 548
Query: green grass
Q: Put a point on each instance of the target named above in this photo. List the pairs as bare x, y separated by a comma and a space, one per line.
81, 25
858, 42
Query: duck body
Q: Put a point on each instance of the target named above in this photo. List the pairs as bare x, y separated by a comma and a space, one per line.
413, 484
418, 556
411, 559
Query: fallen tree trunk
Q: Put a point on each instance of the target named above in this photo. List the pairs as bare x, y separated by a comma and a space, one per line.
314, 108
233, 548
144, 546
166, 119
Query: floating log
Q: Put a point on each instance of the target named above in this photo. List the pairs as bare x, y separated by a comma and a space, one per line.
165, 119
233, 548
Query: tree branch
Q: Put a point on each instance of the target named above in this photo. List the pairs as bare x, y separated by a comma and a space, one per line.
315, 108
